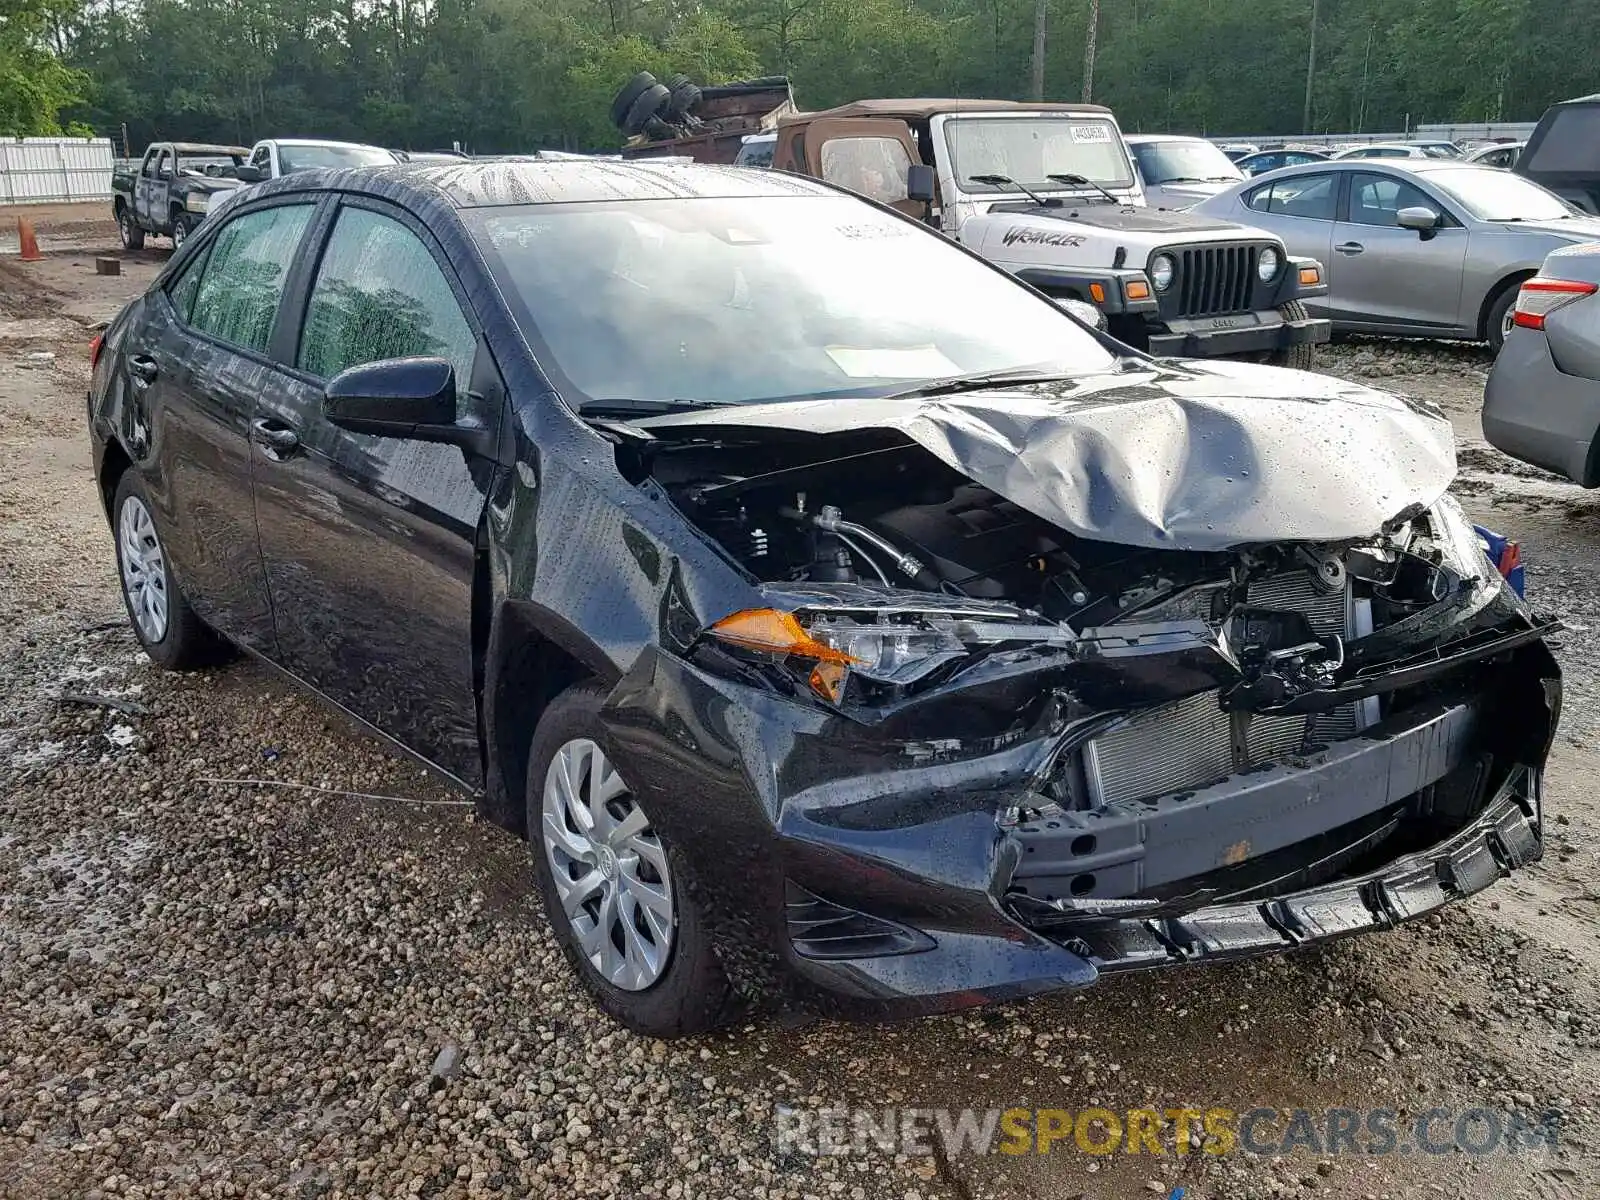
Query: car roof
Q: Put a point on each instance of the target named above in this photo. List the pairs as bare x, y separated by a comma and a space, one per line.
481, 183
206, 148
1401, 166
921, 109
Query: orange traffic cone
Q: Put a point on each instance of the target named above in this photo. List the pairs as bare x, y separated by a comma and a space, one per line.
28, 243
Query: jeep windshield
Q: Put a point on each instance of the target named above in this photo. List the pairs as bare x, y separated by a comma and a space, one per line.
739, 301
1030, 150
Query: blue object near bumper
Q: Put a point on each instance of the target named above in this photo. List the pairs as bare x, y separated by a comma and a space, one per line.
1505, 554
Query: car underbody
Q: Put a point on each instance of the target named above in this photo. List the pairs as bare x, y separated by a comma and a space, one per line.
1086, 755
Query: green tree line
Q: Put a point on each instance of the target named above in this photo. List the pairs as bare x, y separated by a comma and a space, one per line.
516, 75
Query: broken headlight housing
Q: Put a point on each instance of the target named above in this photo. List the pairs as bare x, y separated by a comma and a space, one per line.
894, 646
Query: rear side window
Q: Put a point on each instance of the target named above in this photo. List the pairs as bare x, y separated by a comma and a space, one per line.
379, 294
237, 297
1309, 196
874, 167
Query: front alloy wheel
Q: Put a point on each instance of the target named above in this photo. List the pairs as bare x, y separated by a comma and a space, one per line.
608, 867
619, 895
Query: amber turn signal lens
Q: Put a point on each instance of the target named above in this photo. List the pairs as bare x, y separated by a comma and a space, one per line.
779, 632
827, 680
1310, 276
1097, 293
1137, 289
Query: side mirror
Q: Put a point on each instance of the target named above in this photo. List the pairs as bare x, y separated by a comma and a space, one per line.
920, 183
398, 397
1088, 313
249, 173
1418, 218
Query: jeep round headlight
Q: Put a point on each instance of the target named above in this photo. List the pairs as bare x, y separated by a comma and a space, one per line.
1161, 270
1267, 265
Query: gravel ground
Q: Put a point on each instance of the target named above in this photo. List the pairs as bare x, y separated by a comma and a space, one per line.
215, 988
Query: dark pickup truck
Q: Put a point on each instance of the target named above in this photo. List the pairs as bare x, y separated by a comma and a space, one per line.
172, 189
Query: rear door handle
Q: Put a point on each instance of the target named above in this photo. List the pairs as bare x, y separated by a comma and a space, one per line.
143, 368
274, 436
1350, 248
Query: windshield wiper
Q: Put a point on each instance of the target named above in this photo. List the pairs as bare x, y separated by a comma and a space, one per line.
1084, 181
1007, 181
634, 407
975, 383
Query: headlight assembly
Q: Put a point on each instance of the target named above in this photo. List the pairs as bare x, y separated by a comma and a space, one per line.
197, 202
1161, 272
1267, 265
897, 647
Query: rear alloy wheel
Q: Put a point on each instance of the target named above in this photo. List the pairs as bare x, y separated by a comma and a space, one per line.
1502, 315
168, 629
128, 229
1301, 357
613, 889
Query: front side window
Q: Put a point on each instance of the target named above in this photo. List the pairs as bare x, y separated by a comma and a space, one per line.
874, 167
743, 300
379, 294
1031, 149
164, 166
1378, 199
237, 297
1308, 196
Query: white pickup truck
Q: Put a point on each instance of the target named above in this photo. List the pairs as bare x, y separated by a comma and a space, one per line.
272, 157
1048, 192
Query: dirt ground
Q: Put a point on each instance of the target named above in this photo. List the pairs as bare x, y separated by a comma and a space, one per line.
219, 989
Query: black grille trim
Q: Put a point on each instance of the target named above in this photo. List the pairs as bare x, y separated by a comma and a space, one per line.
1216, 280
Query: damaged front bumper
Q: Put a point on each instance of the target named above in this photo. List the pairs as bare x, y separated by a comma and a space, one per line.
877, 869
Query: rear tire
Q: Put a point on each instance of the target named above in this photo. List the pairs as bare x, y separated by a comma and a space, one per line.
168, 629
1498, 321
683, 990
128, 229
649, 104
1301, 357
631, 91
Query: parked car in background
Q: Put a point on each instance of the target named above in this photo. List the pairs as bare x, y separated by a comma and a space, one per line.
1178, 171
1400, 150
1429, 248
271, 158
1563, 152
1495, 154
1542, 403
429, 155
944, 651
1237, 150
171, 190
756, 150
1263, 161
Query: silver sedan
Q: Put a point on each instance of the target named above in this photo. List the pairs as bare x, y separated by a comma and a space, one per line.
1422, 247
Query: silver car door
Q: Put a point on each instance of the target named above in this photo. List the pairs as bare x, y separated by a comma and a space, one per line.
1300, 210
1384, 276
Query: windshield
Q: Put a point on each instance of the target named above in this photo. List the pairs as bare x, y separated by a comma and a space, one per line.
307, 158
739, 301
1031, 149
1184, 162
207, 164
1492, 195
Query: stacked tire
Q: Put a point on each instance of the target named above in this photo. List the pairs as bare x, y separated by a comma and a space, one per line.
641, 100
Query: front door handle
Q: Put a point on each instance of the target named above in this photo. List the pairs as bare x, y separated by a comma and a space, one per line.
274, 436
1351, 248
143, 368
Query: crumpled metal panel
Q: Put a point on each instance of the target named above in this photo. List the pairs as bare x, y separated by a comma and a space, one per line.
1185, 456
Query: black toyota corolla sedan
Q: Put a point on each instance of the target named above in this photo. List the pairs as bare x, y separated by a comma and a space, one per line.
840, 620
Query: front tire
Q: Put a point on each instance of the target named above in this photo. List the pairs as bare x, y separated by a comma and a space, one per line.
182, 226
128, 229
615, 891
1301, 357
168, 629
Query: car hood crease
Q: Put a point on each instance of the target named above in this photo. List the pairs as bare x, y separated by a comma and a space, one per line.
1206, 457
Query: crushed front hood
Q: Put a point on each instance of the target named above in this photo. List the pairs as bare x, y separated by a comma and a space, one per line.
1197, 456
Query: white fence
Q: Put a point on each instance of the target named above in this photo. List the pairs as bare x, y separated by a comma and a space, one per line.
54, 170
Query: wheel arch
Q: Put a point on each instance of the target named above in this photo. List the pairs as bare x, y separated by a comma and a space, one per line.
527, 657
114, 461
1512, 279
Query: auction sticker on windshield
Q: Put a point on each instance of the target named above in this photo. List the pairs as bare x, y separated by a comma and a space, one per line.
909, 362
1098, 132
